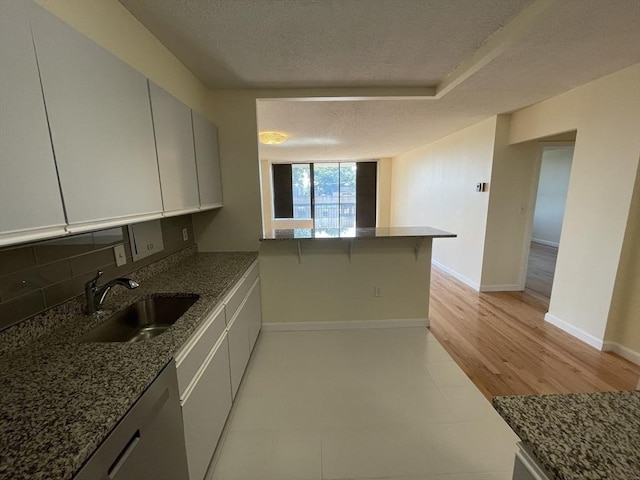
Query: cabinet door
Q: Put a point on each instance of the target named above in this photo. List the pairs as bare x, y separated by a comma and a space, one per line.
205, 410
205, 136
176, 156
30, 202
100, 120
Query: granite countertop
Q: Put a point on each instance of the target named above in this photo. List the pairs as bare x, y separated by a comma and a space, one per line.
60, 398
355, 233
579, 436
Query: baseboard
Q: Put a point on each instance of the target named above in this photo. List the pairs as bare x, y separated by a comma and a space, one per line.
344, 325
574, 331
624, 352
502, 288
545, 242
456, 275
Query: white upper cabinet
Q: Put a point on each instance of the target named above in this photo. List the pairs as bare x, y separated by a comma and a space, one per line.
176, 155
205, 135
30, 202
100, 120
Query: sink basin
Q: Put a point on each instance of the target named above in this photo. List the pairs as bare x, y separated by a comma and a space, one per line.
142, 320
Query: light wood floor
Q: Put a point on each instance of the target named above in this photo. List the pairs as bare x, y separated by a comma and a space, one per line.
504, 345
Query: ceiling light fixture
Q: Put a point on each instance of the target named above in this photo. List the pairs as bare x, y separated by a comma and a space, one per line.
272, 138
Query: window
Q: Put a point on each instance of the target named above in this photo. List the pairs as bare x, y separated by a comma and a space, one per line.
336, 195
301, 183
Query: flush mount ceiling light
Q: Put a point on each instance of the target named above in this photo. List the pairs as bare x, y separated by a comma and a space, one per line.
272, 138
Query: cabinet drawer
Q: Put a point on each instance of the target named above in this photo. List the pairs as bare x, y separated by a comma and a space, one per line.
205, 410
236, 296
193, 353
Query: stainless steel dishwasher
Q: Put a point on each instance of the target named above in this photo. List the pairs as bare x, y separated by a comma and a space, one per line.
148, 443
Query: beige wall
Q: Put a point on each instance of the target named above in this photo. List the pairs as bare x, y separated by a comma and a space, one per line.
606, 114
623, 327
435, 185
238, 225
110, 25
511, 200
326, 287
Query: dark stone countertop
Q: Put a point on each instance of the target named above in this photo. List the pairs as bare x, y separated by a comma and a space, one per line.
355, 233
60, 398
579, 436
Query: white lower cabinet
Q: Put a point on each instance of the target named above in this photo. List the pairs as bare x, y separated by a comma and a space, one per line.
210, 366
205, 409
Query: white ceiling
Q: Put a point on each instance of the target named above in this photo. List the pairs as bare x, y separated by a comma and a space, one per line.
526, 51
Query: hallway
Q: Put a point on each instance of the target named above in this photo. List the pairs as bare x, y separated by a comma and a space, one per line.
540, 271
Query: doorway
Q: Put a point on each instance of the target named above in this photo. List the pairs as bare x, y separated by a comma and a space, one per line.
548, 216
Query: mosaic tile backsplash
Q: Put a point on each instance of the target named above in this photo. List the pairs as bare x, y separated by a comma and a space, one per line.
37, 276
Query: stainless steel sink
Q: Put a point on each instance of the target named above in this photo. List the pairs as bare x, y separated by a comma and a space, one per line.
142, 320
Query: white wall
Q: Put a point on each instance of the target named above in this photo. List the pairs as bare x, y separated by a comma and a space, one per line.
511, 199
606, 114
434, 185
552, 194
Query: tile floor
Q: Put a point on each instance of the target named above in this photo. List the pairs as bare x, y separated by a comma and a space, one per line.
360, 404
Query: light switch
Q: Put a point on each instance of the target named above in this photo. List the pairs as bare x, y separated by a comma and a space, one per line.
121, 256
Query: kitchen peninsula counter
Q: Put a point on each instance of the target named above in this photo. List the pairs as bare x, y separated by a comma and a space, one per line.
347, 278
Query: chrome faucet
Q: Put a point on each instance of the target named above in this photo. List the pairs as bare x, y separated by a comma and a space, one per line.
95, 295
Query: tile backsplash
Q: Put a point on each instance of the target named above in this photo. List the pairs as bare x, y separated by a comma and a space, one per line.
37, 276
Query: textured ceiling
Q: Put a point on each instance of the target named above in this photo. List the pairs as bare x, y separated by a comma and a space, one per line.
369, 43
302, 43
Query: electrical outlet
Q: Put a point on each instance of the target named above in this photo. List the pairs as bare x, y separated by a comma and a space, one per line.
377, 292
121, 256
185, 234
